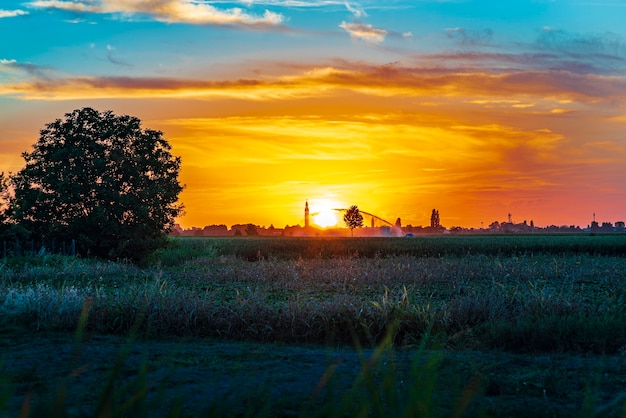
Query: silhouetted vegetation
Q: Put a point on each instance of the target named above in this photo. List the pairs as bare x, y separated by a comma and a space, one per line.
353, 218
99, 179
283, 248
4, 202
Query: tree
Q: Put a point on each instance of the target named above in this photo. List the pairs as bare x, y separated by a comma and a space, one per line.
4, 199
353, 218
434, 219
251, 230
9, 230
100, 179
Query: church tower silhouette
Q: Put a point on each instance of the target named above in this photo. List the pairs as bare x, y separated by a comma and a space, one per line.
306, 214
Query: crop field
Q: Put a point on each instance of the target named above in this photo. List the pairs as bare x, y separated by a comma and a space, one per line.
502, 325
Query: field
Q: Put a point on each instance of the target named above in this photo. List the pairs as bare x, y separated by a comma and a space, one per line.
501, 325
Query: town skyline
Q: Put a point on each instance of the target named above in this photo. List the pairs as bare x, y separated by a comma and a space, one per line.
318, 223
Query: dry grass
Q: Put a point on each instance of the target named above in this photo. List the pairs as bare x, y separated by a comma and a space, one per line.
520, 303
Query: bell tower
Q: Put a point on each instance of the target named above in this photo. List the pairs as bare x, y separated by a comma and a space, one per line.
306, 214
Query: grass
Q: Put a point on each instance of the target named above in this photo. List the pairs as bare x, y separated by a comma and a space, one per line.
540, 295
253, 248
530, 303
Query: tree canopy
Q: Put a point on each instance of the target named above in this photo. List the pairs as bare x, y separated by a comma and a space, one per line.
434, 219
353, 218
101, 179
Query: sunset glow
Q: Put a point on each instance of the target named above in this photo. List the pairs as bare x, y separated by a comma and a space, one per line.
325, 218
476, 108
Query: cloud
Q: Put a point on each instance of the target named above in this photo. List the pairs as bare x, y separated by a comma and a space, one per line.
338, 4
547, 90
12, 13
538, 60
601, 53
86, 6
21, 69
364, 31
75, 21
113, 60
357, 12
552, 50
608, 43
470, 38
406, 80
170, 11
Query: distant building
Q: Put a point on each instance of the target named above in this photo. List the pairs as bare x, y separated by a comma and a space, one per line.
306, 214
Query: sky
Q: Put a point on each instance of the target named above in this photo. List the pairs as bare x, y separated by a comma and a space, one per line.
479, 109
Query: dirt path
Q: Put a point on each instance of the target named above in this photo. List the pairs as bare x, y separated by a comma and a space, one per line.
198, 377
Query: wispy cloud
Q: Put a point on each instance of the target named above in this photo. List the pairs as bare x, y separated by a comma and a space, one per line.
12, 13
371, 4
20, 70
170, 11
552, 50
374, 80
289, 3
572, 43
113, 59
364, 31
75, 6
470, 38
283, 138
536, 60
604, 52
356, 11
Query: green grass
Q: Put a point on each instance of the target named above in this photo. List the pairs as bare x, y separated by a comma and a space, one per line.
477, 300
253, 248
549, 295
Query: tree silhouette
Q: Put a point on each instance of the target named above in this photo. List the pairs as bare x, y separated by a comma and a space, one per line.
251, 230
102, 180
4, 203
434, 219
353, 218
9, 229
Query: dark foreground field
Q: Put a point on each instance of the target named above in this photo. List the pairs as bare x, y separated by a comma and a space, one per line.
206, 377
447, 326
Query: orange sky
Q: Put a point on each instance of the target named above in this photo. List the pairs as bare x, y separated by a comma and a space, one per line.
476, 129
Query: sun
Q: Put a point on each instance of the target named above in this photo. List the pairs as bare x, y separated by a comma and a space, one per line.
325, 218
